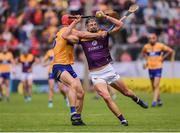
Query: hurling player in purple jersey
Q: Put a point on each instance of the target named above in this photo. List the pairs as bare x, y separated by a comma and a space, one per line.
101, 71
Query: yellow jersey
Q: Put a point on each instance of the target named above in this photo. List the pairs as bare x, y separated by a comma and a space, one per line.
50, 57
63, 50
154, 54
5, 62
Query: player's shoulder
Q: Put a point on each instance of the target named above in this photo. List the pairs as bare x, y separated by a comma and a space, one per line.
50, 51
10, 53
21, 57
147, 45
62, 29
160, 44
60, 32
31, 55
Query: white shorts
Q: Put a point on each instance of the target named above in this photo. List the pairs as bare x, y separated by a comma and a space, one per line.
26, 76
106, 75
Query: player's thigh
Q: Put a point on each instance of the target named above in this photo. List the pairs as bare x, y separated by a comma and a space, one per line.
30, 78
67, 79
120, 85
102, 90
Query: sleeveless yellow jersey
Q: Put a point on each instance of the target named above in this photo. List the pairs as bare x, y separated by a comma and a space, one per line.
50, 57
5, 62
63, 50
154, 54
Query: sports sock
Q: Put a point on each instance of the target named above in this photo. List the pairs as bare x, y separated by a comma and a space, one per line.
121, 118
50, 101
135, 99
73, 110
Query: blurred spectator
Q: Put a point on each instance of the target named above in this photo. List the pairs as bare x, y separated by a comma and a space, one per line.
27, 28
35, 47
164, 38
2, 41
4, 6
172, 34
76, 7
38, 17
15, 5
133, 38
7, 35
125, 57
12, 21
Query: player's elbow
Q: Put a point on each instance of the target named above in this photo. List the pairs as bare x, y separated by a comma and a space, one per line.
120, 24
171, 51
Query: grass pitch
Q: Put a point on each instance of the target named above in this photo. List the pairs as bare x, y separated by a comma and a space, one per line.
36, 116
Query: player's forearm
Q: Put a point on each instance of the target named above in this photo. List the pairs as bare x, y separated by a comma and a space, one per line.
166, 55
115, 21
118, 24
89, 35
68, 30
170, 53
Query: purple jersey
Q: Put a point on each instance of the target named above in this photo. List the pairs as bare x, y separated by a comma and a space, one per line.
97, 52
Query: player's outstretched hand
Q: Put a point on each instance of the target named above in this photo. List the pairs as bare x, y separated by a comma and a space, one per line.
100, 14
78, 18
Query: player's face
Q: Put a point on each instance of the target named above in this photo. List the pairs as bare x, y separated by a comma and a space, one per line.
152, 39
92, 26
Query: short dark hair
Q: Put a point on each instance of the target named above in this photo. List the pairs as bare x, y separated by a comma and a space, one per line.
90, 19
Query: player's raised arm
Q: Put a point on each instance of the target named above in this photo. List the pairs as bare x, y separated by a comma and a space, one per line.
117, 23
89, 35
67, 34
73, 35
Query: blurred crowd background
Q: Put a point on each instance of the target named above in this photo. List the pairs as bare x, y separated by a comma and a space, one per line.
33, 24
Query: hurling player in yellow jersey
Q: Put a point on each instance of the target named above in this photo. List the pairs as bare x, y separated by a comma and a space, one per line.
48, 61
6, 60
155, 53
62, 69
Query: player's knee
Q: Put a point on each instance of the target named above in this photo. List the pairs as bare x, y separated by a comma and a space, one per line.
81, 94
155, 85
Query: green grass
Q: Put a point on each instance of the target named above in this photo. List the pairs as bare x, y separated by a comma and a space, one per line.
35, 116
